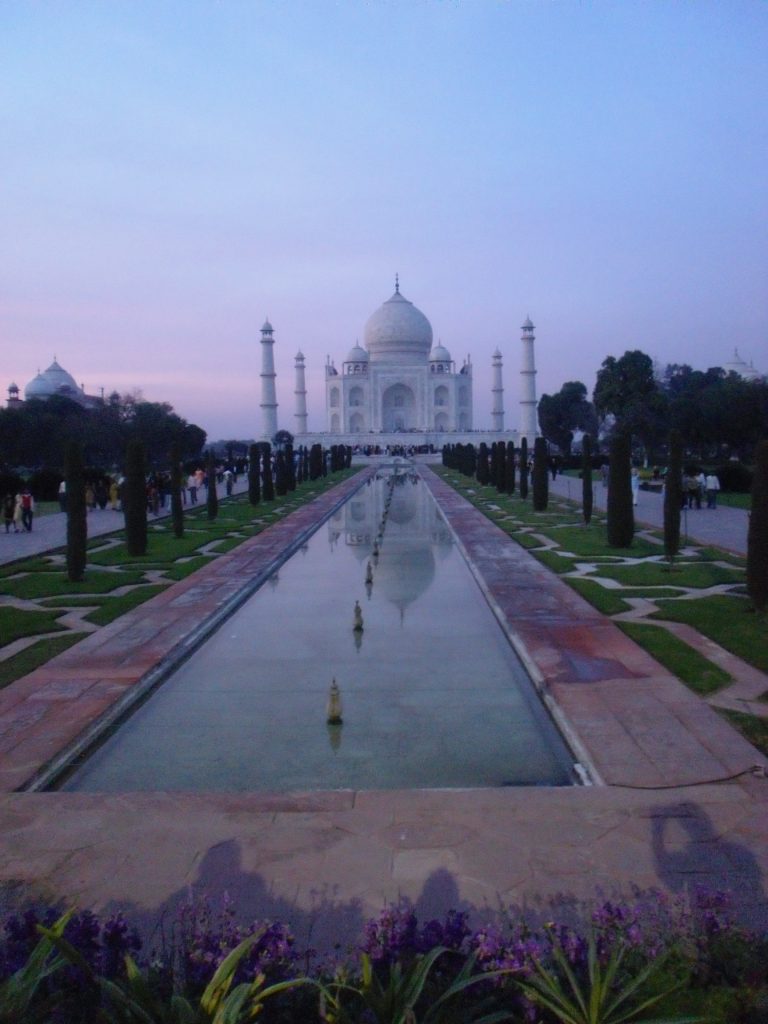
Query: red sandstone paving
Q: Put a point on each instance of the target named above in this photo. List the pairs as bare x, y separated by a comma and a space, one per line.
338, 855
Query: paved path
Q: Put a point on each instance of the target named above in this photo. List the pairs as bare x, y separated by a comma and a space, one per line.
50, 532
722, 527
324, 861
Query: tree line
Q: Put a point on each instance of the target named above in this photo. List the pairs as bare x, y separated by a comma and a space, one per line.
36, 433
714, 412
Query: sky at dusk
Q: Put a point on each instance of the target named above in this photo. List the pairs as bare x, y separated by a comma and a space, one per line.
173, 172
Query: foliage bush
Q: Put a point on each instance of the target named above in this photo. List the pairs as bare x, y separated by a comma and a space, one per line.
587, 496
540, 475
134, 499
673, 497
44, 483
212, 497
620, 517
735, 477
524, 468
77, 513
680, 955
254, 474
757, 535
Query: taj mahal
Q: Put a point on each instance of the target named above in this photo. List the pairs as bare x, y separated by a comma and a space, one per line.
400, 383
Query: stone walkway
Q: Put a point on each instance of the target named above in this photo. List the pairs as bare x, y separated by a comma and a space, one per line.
324, 861
722, 527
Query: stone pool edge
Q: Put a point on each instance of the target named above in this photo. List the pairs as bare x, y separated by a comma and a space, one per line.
224, 588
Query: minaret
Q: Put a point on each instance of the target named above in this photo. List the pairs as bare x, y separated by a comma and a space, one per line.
528, 425
268, 396
498, 394
300, 391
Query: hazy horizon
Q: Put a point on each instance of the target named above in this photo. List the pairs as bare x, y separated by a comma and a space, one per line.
176, 173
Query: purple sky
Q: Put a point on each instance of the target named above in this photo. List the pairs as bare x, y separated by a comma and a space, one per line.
174, 172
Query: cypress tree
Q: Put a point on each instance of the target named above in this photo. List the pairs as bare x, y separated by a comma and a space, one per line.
267, 483
281, 475
510, 468
540, 475
620, 515
77, 513
757, 535
212, 500
135, 499
483, 472
315, 462
254, 469
470, 460
177, 509
673, 497
587, 498
492, 464
524, 468
290, 467
501, 467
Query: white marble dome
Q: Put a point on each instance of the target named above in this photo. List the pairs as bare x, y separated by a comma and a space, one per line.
398, 332
53, 381
440, 354
357, 355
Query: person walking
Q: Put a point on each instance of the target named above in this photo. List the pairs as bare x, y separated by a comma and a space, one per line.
635, 484
9, 507
18, 522
27, 509
712, 486
192, 484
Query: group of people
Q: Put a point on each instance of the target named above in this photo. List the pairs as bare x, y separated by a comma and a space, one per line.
696, 486
19, 511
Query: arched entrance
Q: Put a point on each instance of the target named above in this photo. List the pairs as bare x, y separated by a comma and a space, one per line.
398, 409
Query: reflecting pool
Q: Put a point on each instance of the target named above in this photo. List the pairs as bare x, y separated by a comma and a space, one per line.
432, 693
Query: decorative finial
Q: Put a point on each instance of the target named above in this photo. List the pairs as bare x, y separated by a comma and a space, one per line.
397, 284
333, 713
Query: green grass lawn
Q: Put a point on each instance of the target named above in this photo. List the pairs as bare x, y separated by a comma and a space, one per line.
16, 623
683, 574
54, 584
755, 729
729, 621
696, 671
117, 606
612, 602
36, 655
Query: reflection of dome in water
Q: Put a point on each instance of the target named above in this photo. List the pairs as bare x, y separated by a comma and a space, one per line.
403, 506
405, 573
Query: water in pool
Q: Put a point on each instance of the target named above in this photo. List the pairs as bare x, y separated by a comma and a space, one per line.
432, 693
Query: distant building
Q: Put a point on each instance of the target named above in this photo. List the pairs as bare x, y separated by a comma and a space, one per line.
53, 381
744, 370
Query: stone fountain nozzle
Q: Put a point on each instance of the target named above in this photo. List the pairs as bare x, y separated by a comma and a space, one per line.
333, 709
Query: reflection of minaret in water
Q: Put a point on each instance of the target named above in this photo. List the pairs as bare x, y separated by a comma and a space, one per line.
498, 394
528, 385
300, 392
268, 395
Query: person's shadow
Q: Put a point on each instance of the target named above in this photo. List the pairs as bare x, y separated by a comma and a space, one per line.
705, 859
